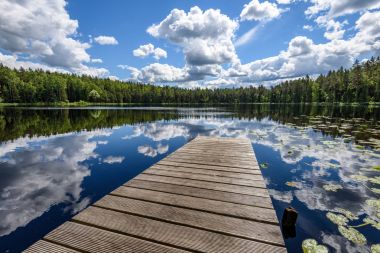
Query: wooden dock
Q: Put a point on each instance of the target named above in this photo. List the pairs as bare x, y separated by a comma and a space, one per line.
208, 196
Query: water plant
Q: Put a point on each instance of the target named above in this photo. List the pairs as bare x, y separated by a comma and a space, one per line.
353, 235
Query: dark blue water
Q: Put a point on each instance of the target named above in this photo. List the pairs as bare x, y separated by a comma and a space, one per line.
55, 162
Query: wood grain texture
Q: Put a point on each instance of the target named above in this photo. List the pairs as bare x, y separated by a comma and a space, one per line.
48, 247
202, 193
255, 170
247, 229
218, 173
208, 205
262, 192
258, 182
171, 234
91, 239
208, 196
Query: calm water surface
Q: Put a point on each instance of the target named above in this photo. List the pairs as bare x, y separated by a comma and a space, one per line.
321, 160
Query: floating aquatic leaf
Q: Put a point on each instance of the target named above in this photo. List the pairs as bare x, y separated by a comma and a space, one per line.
377, 167
375, 203
264, 165
333, 165
360, 178
375, 248
309, 245
293, 184
321, 249
375, 190
373, 223
359, 147
332, 187
375, 180
337, 219
353, 235
346, 213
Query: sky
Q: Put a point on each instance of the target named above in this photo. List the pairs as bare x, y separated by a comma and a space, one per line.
198, 43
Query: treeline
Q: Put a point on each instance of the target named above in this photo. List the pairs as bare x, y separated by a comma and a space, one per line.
359, 84
17, 122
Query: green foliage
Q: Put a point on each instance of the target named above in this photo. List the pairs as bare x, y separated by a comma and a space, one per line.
93, 96
359, 84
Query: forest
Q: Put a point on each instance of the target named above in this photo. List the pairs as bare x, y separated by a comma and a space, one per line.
358, 84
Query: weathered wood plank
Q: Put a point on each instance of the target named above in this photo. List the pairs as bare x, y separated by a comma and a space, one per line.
255, 170
90, 239
227, 174
212, 162
247, 229
202, 193
213, 206
48, 247
226, 180
218, 158
209, 152
262, 192
171, 234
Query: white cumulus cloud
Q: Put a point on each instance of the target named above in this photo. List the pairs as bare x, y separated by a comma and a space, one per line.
106, 40
43, 30
205, 36
260, 11
149, 49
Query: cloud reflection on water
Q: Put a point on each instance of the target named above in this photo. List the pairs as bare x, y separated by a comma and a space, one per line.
38, 173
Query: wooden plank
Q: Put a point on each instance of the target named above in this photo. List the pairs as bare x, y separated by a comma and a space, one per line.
48, 247
219, 158
235, 181
262, 192
90, 239
202, 193
246, 229
213, 206
171, 234
224, 153
227, 174
255, 171
212, 162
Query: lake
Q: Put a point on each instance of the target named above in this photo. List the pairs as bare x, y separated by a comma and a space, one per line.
322, 160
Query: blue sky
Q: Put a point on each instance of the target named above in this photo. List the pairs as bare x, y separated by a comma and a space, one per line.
189, 43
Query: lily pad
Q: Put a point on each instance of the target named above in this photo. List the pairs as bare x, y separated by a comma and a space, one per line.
332, 187
376, 167
346, 213
337, 219
321, 249
375, 203
373, 223
360, 178
353, 235
311, 246
264, 165
293, 184
375, 248
375, 180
